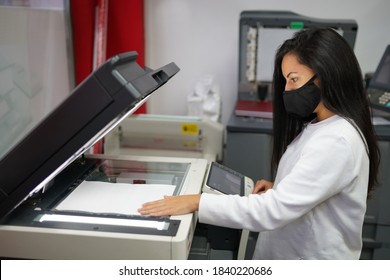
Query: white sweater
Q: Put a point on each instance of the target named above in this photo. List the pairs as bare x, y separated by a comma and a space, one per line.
317, 205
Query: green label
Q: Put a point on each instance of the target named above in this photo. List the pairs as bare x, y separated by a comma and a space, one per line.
296, 25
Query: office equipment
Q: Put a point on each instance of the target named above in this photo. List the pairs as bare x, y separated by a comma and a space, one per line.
109, 94
41, 208
378, 89
46, 227
224, 180
167, 136
260, 34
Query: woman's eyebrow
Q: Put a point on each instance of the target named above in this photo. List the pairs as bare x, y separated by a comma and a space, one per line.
290, 74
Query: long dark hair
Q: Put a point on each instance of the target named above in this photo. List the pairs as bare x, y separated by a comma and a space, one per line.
341, 82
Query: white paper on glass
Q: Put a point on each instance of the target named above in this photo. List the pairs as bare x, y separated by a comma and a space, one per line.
116, 198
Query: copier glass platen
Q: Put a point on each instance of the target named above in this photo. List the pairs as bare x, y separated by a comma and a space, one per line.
90, 211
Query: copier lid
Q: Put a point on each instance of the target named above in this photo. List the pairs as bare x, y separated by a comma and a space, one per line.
109, 94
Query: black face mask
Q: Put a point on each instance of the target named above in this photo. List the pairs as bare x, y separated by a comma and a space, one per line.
301, 102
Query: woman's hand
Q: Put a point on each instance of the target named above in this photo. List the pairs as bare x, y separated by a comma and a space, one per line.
171, 205
262, 186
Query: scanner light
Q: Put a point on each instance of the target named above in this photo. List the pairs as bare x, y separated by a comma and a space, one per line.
159, 225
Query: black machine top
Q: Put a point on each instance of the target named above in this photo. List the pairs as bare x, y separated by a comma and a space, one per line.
109, 94
378, 89
381, 77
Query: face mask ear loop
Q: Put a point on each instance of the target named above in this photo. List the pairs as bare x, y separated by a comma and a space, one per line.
312, 79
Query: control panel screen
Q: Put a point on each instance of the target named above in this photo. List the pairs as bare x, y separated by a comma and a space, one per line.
225, 180
379, 87
381, 77
383, 73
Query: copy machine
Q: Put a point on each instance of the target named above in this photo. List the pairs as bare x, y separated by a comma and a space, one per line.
58, 202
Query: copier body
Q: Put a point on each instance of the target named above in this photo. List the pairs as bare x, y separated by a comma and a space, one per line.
51, 164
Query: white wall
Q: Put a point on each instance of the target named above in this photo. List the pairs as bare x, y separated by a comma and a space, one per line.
34, 67
201, 37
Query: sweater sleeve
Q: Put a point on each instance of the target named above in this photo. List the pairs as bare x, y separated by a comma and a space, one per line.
322, 170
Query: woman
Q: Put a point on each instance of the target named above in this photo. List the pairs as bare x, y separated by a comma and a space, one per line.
325, 156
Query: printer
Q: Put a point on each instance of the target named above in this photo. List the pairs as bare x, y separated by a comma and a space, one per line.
57, 201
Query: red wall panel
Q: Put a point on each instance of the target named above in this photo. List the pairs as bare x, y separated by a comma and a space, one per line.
125, 32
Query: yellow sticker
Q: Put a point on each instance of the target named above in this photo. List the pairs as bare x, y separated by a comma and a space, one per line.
189, 128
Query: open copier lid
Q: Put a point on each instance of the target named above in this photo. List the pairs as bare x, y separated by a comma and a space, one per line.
112, 92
